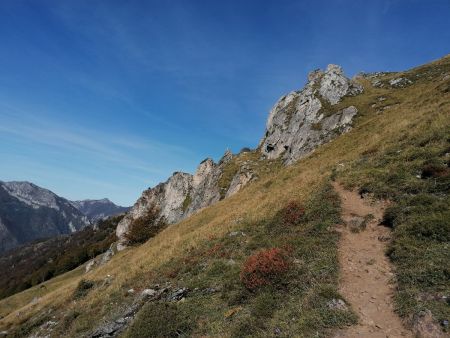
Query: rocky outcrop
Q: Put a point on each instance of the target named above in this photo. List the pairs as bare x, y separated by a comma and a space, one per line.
302, 120
101, 259
183, 194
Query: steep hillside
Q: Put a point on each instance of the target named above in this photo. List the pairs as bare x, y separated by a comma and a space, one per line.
41, 260
28, 212
96, 210
264, 261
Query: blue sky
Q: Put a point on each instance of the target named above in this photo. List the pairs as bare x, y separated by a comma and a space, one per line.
107, 98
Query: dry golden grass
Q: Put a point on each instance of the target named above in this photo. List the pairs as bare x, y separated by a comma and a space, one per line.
418, 106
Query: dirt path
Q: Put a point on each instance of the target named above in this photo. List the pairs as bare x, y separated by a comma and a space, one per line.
366, 274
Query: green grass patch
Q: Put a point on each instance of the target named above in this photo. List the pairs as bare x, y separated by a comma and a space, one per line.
291, 301
187, 202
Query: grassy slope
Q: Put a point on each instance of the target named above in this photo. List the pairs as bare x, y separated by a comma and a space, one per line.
420, 109
42, 260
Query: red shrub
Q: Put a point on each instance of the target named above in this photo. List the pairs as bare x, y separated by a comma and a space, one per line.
264, 268
292, 213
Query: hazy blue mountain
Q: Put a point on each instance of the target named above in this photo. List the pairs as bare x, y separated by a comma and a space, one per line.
29, 212
99, 209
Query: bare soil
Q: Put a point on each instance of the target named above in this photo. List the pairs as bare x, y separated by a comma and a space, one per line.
366, 279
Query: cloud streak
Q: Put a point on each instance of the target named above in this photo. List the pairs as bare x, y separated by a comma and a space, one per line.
128, 151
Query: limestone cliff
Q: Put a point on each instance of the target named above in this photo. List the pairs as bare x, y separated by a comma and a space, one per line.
302, 120
181, 195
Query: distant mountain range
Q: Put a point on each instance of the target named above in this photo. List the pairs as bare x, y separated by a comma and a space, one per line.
98, 209
29, 212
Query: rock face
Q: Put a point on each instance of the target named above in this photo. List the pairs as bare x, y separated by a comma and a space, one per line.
28, 212
299, 122
181, 195
96, 210
302, 120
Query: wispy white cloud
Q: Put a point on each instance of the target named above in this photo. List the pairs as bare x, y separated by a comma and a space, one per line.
128, 151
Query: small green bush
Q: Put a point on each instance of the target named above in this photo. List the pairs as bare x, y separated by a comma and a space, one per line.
245, 150
390, 216
83, 288
316, 126
187, 202
161, 320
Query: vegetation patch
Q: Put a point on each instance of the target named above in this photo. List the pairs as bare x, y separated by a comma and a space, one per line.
255, 280
316, 126
161, 319
264, 268
42, 260
145, 227
229, 171
187, 202
292, 213
83, 288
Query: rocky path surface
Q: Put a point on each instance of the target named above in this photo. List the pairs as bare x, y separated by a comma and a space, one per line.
366, 274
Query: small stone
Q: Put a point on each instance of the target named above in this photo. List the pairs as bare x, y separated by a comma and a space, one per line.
337, 304
210, 290
148, 292
178, 294
236, 233
120, 321
400, 82
130, 291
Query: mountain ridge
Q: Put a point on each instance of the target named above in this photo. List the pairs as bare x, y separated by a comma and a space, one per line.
97, 209
29, 212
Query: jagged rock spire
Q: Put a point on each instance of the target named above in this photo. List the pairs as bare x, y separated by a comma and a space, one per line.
302, 120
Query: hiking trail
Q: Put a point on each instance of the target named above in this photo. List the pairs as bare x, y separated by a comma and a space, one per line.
366, 274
